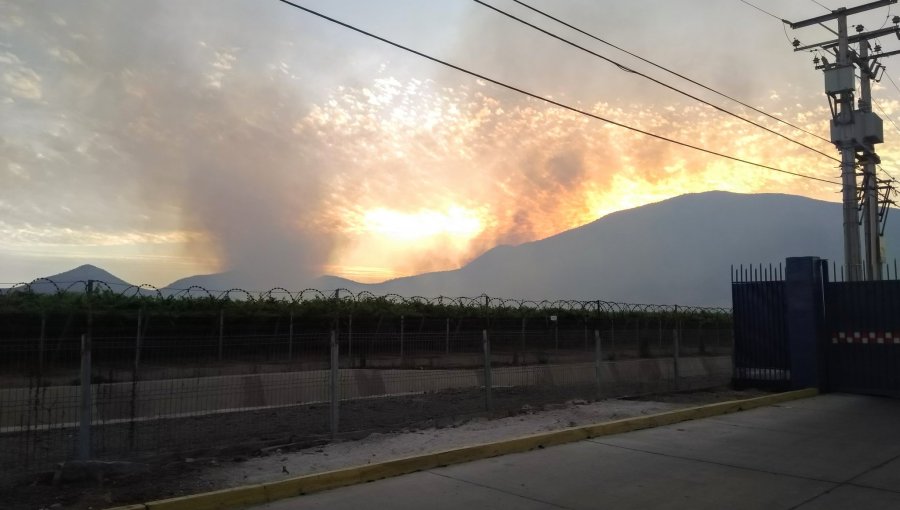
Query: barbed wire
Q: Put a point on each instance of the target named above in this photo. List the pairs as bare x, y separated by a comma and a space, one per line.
280, 294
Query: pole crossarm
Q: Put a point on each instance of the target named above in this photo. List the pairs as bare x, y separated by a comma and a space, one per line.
882, 54
855, 131
843, 11
874, 34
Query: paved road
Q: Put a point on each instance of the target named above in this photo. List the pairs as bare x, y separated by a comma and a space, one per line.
831, 451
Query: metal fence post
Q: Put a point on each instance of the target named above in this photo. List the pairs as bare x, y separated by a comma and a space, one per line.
522, 339
638, 342
350, 338
402, 327
137, 340
716, 325
41, 342
659, 317
335, 397
135, 375
291, 336
221, 330
555, 320
584, 320
447, 337
612, 337
675, 352
86, 408
488, 383
598, 362
84, 415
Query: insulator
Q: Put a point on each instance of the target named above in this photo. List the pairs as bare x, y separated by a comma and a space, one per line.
896, 19
796, 43
859, 28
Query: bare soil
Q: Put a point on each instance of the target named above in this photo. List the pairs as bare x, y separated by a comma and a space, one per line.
377, 430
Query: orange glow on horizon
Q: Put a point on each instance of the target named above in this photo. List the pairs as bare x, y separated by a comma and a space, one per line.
520, 172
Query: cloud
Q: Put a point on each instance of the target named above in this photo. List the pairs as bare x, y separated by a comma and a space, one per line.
266, 138
23, 82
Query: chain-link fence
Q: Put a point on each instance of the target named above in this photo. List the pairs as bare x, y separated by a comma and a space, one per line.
187, 375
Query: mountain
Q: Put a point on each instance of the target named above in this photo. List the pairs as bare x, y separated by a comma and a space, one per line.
678, 251
235, 280
675, 251
214, 281
74, 280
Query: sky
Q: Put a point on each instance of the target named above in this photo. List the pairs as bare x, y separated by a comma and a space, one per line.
161, 139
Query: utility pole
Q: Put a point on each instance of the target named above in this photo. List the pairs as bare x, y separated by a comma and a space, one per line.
855, 131
870, 179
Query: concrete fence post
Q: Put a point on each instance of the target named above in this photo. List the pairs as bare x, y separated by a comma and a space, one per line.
334, 388
350, 339
447, 337
804, 290
598, 362
488, 383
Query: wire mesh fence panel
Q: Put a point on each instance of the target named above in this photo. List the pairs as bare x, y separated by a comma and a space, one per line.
177, 376
39, 394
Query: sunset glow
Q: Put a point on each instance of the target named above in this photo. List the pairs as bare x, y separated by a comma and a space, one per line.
169, 146
421, 225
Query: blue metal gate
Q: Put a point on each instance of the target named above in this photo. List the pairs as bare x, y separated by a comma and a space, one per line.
853, 347
862, 337
761, 356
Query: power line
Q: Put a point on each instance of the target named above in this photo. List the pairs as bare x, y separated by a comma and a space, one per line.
760, 9
674, 73
877, 105
547, 100
888, 117
892, 82
822, 6
874, 101
654, 80
886, 19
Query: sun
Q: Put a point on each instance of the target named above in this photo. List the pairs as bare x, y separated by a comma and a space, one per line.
455, 222
383, 243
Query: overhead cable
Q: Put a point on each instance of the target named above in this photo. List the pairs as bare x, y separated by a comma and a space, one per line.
654, 80
548, 100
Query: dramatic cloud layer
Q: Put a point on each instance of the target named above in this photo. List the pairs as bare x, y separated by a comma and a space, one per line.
160, 139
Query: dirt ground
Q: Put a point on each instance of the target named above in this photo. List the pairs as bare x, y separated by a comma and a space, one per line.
394, 428
245, 431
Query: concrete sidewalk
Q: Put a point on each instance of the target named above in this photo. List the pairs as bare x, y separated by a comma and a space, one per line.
831, 451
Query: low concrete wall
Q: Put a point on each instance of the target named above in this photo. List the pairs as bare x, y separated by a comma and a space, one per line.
57, 406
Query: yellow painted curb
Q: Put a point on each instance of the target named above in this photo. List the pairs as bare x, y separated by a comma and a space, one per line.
307, 484
226, 498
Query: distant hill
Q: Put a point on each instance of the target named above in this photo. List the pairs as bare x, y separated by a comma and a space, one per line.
215, 281
74, 280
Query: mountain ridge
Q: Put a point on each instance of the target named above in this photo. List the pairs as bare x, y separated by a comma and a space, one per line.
678, 250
